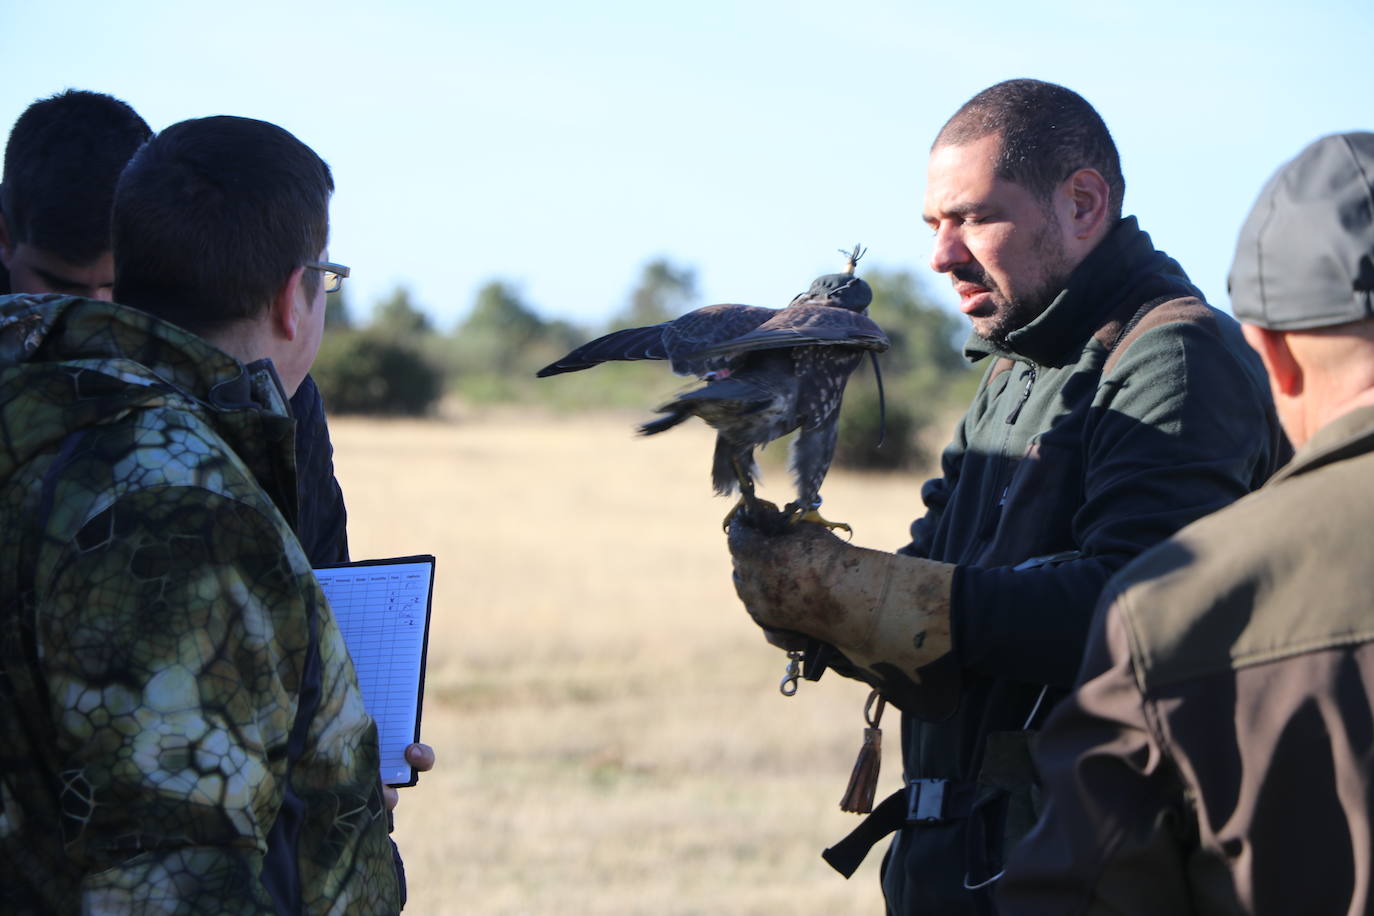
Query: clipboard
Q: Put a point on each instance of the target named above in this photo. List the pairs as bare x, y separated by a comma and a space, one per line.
383, 608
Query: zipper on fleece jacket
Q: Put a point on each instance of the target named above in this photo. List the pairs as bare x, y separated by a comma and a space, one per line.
1025, 396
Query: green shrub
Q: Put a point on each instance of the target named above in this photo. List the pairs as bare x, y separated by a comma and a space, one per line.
886, 441
374, 373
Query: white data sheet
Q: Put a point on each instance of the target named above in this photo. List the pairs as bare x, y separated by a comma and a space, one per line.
382, 607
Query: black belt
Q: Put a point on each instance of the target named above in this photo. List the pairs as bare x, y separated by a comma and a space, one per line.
921, 802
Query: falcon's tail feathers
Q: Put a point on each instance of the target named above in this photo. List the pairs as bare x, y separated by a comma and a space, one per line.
744, 393
624, 345
674, 416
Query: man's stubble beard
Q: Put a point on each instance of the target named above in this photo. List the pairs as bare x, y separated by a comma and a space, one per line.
1014, 314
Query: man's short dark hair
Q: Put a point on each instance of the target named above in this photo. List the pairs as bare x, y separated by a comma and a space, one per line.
62, 159
1048, 133
212, 216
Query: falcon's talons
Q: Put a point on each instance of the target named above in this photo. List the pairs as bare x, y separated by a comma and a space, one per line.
798, 513
748, 503
741, 505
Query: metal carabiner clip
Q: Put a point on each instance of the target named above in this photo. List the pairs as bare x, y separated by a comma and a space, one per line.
788, 687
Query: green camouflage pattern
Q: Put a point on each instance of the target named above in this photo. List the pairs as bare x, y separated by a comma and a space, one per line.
154, 647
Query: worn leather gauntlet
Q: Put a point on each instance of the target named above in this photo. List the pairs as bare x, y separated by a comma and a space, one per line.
887, 614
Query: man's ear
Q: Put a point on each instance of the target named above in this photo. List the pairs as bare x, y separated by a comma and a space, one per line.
286, 305
1285, 372
1088, 195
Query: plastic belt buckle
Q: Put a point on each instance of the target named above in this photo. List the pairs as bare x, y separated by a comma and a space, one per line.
816, 659
925, 802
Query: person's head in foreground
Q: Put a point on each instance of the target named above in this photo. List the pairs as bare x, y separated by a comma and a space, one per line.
1302, 282
220, 225
62, 160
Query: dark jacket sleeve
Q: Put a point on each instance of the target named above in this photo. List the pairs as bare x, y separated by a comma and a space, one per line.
1178, 430
1113, 837
322, 519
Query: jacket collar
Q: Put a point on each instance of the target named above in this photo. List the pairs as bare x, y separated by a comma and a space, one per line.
1116, 269
68, 328
131, 359
1347, 436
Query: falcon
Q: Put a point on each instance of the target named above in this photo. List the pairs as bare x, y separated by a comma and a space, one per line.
766, 372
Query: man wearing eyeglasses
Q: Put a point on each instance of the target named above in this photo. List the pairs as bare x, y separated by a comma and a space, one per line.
62, 159
182, 727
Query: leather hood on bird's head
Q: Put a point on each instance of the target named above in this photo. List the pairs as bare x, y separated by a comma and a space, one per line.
843, 290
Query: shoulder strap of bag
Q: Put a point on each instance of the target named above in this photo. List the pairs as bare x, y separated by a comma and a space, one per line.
1117, 335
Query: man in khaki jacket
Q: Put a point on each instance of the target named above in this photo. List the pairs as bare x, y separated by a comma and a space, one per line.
1218, 753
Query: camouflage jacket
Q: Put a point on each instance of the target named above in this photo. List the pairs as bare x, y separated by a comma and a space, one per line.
182, 728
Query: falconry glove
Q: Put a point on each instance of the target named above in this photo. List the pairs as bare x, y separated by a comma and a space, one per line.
886, 613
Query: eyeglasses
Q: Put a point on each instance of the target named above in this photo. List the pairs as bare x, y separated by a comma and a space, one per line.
333, 274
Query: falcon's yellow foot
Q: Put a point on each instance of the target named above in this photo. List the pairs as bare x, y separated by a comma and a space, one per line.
813, 515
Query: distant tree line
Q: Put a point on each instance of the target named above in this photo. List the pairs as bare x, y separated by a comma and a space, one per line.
399, 363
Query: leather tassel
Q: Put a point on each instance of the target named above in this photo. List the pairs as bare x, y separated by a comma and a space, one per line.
863, 781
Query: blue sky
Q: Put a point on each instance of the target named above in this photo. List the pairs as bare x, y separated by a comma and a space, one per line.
559, 146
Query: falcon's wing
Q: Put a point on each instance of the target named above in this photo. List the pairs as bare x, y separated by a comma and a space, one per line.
676, 340
707, 327
803, 326
627, 344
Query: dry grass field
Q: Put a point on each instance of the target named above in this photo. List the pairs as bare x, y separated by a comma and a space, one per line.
611, 738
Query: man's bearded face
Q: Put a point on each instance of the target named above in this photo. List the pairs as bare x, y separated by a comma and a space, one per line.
1004, 248
1011, 313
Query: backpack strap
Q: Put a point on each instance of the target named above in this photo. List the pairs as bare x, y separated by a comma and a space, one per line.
1126, 324
1117, 335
